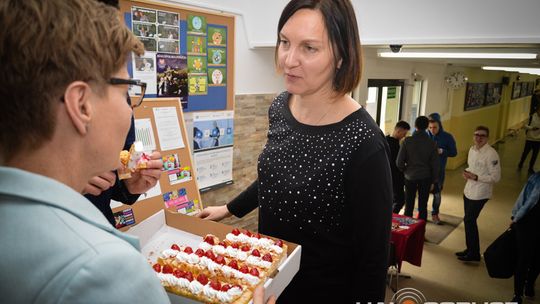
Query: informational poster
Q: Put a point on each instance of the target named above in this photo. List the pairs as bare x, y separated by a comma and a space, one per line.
124, 218
196, 65
145, 134
175, 171
196, 25
171, 77
217, 36
179, 199
168, 128
196, 45
217, 57
217, 76
212, 130
144, 69
214, 167
197, 85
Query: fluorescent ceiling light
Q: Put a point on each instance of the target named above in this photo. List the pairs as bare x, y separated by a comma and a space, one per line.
439, 55
534, 71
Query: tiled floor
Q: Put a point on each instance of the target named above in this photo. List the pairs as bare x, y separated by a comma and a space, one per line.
444, 278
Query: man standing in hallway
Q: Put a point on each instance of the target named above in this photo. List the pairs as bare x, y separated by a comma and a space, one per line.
532, 141
535, 103
419, 161
484, 170
446, 147
400, 131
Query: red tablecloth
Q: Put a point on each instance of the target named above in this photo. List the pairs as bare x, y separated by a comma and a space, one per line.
409, 242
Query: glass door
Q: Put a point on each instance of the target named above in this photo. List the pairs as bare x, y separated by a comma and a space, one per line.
385, 98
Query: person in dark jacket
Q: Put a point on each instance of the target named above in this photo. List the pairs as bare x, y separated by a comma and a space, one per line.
419, 161
446, 147
525, 218
400, 131
106, 186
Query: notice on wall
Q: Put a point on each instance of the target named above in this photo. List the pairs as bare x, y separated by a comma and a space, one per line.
144, 69
168, 128
214, 167
213, 129
145, 134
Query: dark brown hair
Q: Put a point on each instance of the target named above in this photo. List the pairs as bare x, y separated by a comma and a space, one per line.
44, 46
483, 128
342, 28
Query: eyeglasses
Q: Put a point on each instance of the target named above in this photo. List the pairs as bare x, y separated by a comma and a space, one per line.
136, 89
480, 135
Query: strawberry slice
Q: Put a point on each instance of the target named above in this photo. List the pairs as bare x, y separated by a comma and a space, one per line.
188, 276
202, 279
279, 243
175, 247
199, 252
209, 239
157, 267
245, 248
254, 272
222, 243
235, 231
256, 253
233, 264
225, 287
248, 233
210, 254
167, 269
257, 235
215, 285
244, 269
220, 260
235, 245
267, 257
178, 273
188, 250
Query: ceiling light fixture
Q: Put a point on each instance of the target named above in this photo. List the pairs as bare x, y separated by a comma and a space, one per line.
456, 55
534, 71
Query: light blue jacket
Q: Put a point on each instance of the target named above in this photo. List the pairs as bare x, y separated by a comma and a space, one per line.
56, 247
528, 197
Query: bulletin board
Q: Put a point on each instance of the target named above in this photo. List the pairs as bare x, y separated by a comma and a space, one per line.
159, 124
189, 53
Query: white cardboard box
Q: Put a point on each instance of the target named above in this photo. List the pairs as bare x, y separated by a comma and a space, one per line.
164, 228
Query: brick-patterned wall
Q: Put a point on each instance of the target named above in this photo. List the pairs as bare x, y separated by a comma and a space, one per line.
250, 127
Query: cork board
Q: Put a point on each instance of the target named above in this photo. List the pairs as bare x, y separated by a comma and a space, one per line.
160, 123
204, 39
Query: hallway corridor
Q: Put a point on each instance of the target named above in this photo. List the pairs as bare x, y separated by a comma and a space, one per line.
444, 278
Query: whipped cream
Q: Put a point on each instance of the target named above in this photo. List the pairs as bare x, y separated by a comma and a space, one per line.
196, 287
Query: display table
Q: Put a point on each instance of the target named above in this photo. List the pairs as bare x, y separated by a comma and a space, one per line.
408, 238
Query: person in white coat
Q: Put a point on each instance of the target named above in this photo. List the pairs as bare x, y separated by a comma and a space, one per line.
483, 171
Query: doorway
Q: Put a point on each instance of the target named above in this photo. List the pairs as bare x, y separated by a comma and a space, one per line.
384, 103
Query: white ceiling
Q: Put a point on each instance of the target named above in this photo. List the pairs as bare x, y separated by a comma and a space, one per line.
504, 48
480, 25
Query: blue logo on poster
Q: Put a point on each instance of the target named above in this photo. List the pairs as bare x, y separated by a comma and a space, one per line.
197, 23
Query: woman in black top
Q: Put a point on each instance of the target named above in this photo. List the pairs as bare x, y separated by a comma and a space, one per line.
324, 179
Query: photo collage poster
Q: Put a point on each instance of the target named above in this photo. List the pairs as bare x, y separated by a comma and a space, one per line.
162, 66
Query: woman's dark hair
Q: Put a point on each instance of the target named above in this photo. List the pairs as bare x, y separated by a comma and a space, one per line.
342, 28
